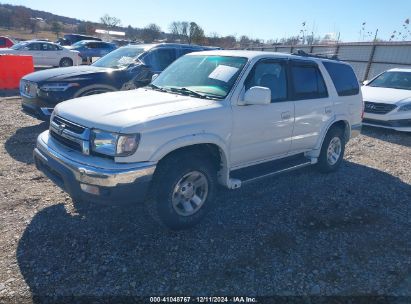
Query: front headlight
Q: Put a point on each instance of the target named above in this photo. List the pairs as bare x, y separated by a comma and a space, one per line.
58, 87
406, 107
114, 144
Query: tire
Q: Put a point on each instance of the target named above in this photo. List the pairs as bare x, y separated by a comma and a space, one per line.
66, 62
332, 150
173, 189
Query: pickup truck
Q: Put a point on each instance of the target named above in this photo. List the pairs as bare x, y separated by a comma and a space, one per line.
211, 118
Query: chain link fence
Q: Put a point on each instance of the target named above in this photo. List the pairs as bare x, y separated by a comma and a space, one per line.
367, 59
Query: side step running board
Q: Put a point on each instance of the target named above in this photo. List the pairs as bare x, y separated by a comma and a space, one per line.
275, 173
268, 169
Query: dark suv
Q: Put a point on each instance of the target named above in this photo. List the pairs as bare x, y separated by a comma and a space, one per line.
126, 68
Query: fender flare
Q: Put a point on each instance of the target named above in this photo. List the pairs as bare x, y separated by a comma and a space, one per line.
197, 139
316, 151
94, 86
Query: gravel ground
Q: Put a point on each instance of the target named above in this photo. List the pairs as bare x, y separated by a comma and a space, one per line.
303, 233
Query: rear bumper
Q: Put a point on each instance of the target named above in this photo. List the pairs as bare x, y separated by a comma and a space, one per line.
119, 183
355, 130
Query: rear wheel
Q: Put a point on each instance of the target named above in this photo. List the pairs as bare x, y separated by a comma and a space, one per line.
332, 150
66, 62
186, 190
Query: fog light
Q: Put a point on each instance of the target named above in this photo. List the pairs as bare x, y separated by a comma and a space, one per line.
90, 189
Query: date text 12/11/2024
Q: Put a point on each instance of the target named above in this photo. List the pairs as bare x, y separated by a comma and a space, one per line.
239, 299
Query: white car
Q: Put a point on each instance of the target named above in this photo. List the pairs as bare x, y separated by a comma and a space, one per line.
387, 100
45, 53
214, 117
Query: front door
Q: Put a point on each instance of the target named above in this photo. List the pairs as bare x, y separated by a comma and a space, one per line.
263, 132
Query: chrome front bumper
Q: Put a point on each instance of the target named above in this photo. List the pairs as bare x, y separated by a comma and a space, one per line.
115, 180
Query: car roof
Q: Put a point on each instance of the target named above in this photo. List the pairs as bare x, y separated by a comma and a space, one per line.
262, 54
400, 70
148, 46
93, 41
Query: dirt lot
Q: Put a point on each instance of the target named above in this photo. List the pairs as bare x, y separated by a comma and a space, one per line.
304, 233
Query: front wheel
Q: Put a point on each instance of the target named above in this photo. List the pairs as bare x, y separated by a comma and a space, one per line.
332, 150
186, 190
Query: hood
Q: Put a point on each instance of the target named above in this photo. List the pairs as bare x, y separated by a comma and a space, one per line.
385, 95
119, 110
7, 51
63, 73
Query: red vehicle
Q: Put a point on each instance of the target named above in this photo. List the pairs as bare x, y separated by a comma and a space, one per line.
5, 42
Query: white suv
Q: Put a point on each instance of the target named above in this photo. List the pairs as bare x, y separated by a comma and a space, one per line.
215, 117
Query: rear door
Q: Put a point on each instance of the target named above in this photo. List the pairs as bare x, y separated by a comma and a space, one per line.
313, 105
50, 54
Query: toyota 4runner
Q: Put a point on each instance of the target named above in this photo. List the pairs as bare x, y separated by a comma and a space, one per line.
211, 118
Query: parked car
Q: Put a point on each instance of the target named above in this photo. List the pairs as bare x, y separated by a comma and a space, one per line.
387, 100
89, 48
70, 39
45, 53
126, 68
6, 42
214, 117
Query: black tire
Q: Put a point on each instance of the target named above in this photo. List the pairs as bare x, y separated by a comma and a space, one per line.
170, 172
324, 165
66, 62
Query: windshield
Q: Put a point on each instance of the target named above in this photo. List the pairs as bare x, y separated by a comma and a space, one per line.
395, 80
78, 44
202, 76
119, 58
19, 46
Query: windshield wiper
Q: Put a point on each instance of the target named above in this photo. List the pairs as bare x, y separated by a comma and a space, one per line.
188, 91
157, 88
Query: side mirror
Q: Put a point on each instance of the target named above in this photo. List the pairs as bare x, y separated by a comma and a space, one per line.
257, 96
365, 82
154, 77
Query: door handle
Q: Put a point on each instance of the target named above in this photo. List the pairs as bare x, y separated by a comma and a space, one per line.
328, 110
285, 115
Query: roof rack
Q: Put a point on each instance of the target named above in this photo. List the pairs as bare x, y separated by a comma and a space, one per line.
323, 56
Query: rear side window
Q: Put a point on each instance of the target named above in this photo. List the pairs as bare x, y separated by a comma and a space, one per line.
308, 83
159, 59
2, 42
343, 77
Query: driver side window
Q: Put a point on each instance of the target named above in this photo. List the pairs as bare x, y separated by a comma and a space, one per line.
272, 75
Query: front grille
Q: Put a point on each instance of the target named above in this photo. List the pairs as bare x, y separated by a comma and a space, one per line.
70, 134
378, 108
65, 141
68, 125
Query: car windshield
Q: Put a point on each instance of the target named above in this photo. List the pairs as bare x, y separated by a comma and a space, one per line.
19, 46
395, 80
201, 76
78, 44
119, 58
